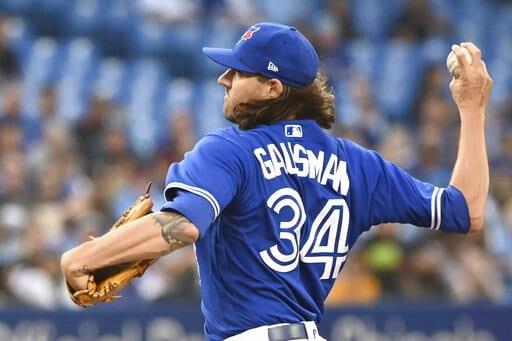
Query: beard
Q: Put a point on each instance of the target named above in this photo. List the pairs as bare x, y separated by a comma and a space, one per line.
248, 115
240, 114
231, 118
229, 112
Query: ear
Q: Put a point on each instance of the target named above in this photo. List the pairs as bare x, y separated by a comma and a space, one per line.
275, 88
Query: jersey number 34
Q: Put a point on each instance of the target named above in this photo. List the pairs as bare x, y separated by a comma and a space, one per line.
326, 243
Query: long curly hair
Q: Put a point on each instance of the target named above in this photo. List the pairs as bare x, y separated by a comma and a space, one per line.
315, 101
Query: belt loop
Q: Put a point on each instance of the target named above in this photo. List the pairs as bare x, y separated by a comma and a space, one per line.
312, 330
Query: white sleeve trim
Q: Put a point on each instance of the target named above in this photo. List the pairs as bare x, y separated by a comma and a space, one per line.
199, 191
435, 208
438, 210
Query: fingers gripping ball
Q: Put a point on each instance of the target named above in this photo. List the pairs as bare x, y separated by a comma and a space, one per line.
104, 284
453, 64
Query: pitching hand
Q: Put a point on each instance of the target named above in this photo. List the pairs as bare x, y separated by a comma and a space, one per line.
472, 89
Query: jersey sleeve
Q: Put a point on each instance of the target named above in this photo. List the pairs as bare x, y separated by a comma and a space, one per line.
205, 181
397, 197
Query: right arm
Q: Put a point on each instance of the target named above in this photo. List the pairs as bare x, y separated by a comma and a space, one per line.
398, 197
471, 171
149, 237
197, 189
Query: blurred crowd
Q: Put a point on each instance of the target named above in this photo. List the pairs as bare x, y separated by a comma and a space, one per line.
64, 180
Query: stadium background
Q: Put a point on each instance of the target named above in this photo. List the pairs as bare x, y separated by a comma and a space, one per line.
99, 96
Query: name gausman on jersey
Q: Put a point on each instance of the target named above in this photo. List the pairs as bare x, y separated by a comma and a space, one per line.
295, 159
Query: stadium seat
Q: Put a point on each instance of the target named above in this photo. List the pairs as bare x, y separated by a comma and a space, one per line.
39, 70
20, 38
110, 78
16, 7
399, 74
150, 39
141, 107
84, 18
116, 29
76, 70
373, 18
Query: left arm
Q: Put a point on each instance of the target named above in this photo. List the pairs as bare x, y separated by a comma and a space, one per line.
149, 237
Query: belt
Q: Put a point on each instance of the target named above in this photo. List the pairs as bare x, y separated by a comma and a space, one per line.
295, 331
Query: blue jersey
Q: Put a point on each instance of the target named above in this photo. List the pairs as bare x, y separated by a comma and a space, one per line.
279, 207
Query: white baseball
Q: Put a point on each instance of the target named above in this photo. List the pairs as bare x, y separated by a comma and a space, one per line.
453, 64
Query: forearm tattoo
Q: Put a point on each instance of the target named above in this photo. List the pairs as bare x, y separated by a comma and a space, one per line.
173, 227
84, 270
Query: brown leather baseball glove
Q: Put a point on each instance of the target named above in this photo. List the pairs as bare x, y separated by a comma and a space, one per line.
104, 284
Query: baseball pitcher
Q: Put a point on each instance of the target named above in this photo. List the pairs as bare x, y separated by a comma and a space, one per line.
274, 206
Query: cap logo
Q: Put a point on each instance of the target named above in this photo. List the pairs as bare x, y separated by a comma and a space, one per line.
248, 34
272, 67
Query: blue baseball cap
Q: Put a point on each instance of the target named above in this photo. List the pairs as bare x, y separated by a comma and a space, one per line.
272, 50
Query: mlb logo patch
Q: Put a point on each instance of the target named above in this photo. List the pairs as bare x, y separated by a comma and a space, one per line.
248, 34
293, 130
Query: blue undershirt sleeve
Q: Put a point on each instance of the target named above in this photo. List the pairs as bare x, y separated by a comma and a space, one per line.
192, 206
455, 212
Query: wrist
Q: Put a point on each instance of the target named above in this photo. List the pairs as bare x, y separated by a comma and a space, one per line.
71, 265
471, 111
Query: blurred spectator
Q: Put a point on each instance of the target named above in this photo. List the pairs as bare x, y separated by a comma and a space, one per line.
13, 177
63, 181
11, 102
419, 22
182, 134
341, 13
9, 64
92, 132
22, 129
398, 147
47, 103
385, 257
421, 275
357, 284
171, 278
